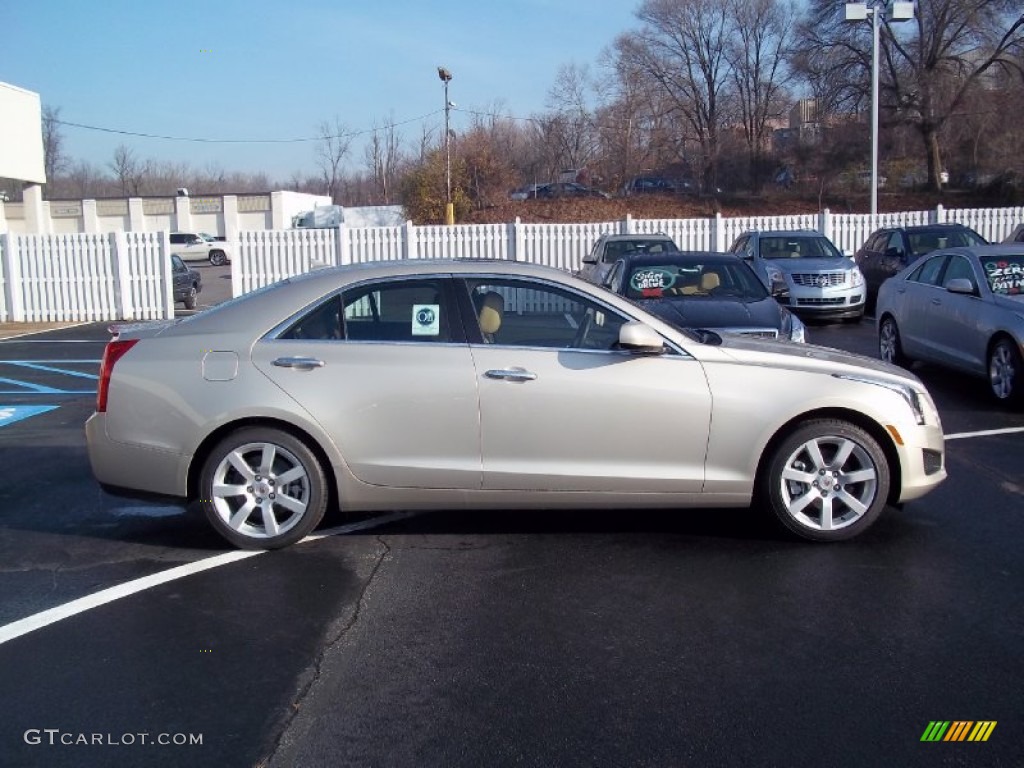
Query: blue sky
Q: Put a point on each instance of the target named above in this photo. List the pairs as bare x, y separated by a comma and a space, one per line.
225, 69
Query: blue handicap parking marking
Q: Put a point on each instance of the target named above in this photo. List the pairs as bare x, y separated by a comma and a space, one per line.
47, 366
12, 413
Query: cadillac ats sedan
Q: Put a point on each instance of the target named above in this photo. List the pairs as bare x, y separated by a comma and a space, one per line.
495, 385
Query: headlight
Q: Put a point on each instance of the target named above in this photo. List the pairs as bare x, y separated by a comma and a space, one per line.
856, 277
776, 278
917, 401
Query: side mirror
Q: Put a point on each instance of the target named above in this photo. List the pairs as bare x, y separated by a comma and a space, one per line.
640, 339
961, 285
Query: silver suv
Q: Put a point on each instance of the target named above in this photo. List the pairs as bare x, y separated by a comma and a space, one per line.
805, 271
610, 248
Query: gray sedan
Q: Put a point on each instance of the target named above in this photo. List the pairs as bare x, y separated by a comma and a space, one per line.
494, 384
962, 308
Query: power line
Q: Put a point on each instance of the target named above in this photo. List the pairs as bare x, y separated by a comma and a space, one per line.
200, 140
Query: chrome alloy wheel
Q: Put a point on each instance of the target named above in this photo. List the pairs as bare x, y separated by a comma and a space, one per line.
1002, 370
888, 341
260, 490
828, 483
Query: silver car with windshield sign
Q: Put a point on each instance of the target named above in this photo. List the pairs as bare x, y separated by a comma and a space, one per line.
962, 308
495, 385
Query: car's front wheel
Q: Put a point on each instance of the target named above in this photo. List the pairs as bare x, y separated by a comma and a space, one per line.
828, 480
1006, 372
263, 488
890, 348
218, 258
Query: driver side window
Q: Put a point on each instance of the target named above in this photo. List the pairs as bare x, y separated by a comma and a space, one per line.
522, 313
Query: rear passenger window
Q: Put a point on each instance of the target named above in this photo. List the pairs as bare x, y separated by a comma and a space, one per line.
928, 273
408, 310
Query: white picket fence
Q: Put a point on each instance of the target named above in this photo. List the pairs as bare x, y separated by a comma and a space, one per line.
85, 277
267, 256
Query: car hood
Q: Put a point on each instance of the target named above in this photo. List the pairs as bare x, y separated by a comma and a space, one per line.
811, 265
1012, 303
810, 357
716, 313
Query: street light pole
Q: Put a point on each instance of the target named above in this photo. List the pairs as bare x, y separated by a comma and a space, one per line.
895, 11
449, 208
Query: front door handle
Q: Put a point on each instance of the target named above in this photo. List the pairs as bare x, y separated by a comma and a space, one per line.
299, 363
511, 374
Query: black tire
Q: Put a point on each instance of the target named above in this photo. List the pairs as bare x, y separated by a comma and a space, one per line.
828, 480
890, 347
294, 473
1006, 373
218, 258
191, 298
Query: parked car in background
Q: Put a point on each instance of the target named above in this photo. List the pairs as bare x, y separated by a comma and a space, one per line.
188, 283
1016, 236
559, 189
805, 271
608, 249
199, 246
524, 192
658, 185
962, 308
710, 291
890, 249
532, 390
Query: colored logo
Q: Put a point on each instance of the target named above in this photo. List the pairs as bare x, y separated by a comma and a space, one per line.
958, 730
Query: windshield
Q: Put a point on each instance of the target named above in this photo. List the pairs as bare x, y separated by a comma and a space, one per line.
797, 247
1005, 274
694, 280
926, 242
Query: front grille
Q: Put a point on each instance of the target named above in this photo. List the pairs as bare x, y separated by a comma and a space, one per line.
821, 302
819, 279
757, 333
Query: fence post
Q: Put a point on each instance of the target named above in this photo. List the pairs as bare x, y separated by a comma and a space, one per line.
14, 286
825, 223
518, 239
410, 248
718, 233
136, 215
939, 216
341, 245
165, 261
123, 301
626, 225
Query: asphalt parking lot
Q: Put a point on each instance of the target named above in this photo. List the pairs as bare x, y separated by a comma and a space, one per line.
129, 634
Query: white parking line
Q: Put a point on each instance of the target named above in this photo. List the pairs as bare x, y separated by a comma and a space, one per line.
87, 603
984, 433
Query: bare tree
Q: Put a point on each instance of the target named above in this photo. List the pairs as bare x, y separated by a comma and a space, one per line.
681, 46
55, 162
128, 170
929, 66
331, 150
762, 32
382, 155
571, 128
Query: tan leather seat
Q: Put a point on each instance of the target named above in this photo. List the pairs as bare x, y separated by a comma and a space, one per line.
709, 281
491, 309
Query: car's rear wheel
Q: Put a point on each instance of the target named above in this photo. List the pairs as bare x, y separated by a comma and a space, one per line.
263, 488
890, 348
1006, 372
218, 258
191, 298
828, 480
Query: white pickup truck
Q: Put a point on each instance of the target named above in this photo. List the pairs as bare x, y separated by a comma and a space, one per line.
199, 246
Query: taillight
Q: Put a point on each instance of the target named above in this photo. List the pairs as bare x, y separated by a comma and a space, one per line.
111, 354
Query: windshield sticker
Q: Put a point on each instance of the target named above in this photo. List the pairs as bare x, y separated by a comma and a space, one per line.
651, 282
426, 319
1005, 277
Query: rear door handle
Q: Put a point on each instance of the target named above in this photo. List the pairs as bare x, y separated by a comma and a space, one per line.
299, 363
511, 374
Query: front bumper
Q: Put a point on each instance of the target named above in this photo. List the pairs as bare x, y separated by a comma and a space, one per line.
824, 302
